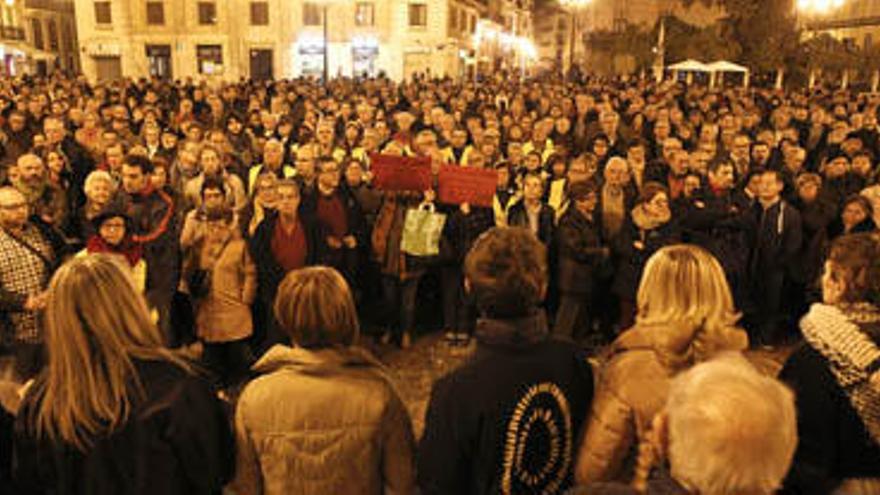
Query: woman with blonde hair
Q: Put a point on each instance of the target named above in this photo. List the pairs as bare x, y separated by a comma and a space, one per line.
114, 411
324, 417
685, 315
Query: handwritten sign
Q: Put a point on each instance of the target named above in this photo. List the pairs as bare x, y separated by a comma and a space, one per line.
475, 186
400, 173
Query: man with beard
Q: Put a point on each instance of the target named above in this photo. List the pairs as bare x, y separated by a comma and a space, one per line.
45, 200
18, 138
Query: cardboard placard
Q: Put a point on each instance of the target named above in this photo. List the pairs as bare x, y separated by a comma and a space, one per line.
400, 173
475, 186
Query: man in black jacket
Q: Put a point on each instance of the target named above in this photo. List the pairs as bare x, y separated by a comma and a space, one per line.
720, 220
155, 227
507, 422
774, 256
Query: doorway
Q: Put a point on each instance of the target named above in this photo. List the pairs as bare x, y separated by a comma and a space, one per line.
261, 64
159, 59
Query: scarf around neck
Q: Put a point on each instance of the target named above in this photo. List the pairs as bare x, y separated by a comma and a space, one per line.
853, 356
130, 250
645, 221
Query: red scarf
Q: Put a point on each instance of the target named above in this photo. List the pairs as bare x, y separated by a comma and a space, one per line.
129, 249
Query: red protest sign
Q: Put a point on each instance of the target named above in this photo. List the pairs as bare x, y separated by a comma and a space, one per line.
475, 186
400, 173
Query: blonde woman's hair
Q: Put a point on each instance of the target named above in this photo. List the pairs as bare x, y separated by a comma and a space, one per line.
96, 324
315, 309
732, 430
685, 295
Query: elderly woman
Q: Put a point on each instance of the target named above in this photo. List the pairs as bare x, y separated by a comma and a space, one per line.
323, 417
100, 189
685, 316
836, 377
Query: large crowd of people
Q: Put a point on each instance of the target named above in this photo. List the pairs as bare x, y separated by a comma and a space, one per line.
667, 228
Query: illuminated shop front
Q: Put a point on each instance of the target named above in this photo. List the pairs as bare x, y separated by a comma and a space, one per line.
310, 55
364, 56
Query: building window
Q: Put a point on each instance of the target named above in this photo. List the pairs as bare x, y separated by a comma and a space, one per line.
103, 14
364, 14
259, 13
311, 14
37, 28
418, 15
156, 13
207, 13
453, 19
66, 38
209, 58
53, 36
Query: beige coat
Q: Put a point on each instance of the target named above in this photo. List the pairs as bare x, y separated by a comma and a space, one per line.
322, 422
633, 389
224, 314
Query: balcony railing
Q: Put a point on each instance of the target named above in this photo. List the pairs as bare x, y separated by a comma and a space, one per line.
12, 33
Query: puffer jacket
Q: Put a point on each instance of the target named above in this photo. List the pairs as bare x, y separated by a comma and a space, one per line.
634, 387
322, 422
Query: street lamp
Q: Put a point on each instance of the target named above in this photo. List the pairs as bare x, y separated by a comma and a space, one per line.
573, 7
818, 6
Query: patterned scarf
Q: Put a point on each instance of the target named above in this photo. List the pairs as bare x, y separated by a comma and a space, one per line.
836, 332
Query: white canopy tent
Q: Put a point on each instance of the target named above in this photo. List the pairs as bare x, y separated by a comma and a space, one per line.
689, 67
721, 67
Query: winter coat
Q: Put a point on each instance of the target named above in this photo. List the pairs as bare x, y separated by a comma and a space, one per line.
722, 224
177, 440
269, 272
522, 392
154, 225
517, 217
224, 315
778, 241
321, 422
815, 220
580, 252
834, 443
388, 233
631, 261
633, 389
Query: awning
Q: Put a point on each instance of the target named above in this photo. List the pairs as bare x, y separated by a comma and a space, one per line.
690, 65
725, 66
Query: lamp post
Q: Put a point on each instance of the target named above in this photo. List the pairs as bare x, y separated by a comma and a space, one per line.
326, 48
573, 7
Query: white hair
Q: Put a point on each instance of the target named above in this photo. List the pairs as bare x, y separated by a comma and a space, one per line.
732, 430
97, 176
